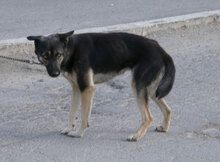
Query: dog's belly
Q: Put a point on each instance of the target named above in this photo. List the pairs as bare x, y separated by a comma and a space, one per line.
104, 77
100, 78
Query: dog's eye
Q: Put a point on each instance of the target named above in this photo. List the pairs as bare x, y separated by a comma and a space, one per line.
45, 56
58, 55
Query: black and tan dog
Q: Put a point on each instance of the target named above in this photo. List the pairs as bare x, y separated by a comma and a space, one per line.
87, 59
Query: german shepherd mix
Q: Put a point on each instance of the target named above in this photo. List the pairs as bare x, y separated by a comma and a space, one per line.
88, 59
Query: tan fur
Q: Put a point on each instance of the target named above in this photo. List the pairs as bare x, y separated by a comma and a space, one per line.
151, 89
71, 78
86, 101
146, 120
146, 116
161, 103
143, 105
165, 109
86, 98
76, 96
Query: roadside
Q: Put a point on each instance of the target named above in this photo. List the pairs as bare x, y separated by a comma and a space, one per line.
34, 108
25, 17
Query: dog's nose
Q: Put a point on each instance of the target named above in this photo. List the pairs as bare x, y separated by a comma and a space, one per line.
55, 74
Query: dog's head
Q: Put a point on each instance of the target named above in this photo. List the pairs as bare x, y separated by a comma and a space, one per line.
50, 50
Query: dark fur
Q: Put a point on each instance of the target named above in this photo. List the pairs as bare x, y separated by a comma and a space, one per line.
86, 59
105, 53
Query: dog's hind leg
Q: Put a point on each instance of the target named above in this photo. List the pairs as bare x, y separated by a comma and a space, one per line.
143, 104
165, 109
76, 95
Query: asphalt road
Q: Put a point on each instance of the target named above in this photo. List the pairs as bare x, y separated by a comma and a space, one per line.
34, 108
19, 18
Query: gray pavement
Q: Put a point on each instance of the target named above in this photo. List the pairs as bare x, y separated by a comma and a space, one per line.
34, 108
20, 18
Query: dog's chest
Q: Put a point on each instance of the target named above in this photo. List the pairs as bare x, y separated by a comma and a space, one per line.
70, 77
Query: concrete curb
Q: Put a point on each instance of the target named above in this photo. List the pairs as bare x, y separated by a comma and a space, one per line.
21, 46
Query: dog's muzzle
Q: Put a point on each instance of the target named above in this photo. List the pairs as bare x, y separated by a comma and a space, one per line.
53, 70
54, 74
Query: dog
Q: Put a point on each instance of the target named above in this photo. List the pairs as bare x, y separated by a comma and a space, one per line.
91, 58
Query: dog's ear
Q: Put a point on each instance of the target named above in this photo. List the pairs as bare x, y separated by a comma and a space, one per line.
64, 36
35, 38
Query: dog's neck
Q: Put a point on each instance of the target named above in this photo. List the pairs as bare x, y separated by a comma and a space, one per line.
67, 60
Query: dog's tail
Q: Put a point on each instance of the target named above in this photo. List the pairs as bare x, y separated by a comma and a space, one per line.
167, 81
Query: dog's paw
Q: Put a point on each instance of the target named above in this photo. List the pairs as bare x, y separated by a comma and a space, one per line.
66, 130
74, 134
161, 129
133, 138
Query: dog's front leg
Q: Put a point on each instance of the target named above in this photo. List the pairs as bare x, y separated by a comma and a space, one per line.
76, 96
86, 100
